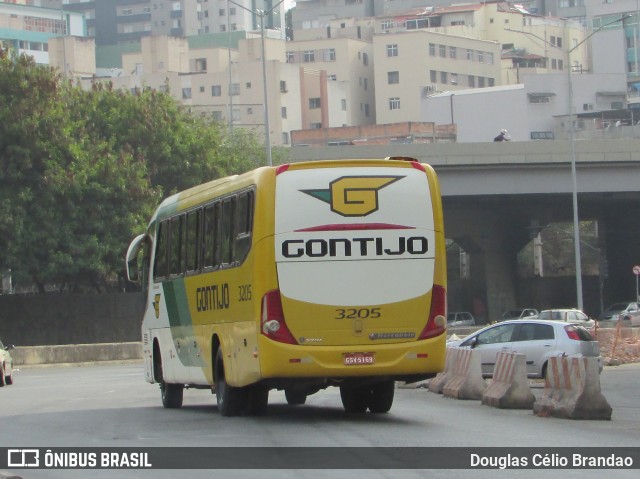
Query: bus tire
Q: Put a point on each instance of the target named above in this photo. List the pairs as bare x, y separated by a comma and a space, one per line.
1, 375
231, 401
172, 395
381, 397
8, 379
257, 400
354, 399
295, 398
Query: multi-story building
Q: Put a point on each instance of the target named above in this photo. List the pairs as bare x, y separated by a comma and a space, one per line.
344, 53
410, 65
121, 21
27, 29
223, 83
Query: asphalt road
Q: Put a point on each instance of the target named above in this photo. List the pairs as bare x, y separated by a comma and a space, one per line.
112, 406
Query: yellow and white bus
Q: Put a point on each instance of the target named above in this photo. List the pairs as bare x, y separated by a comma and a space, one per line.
296, 278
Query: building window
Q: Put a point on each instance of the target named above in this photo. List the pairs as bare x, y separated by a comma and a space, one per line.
315, 126
386, 24
492, 81
554, 64
470, 55
587, 107
542, 135
290, 57
481, 82
454, 78
283, 112
433, 76
216, 90
285, 138
309, 56
394, 103
393, 78
330, 55
365, 59
471, 80
489, 58
283, 86
443, 51
392, 50
432, 49
481, 57
186, 93
539, 98
453, 52
314, 103
201, 64
443, 77
234, 89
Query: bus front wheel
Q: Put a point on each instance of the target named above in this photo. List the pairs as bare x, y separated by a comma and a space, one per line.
172, 395
232, 401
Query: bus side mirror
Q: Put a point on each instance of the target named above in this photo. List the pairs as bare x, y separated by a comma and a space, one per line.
133, 269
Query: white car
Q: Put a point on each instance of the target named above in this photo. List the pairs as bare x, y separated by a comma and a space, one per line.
537, 339
461, 318
6, 365
574, 316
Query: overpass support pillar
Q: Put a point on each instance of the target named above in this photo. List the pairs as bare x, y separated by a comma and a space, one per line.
500, 266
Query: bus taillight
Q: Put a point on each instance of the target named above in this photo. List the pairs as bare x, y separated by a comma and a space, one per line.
273, 325
436, 324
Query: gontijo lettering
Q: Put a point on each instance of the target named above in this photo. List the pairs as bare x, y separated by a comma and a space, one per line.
212, 297
360, 247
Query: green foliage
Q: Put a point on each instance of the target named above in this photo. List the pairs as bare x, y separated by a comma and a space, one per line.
81, 172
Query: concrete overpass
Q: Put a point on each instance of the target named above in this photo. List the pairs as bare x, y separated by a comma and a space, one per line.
497, 195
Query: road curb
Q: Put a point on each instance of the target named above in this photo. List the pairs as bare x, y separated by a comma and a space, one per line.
75, 353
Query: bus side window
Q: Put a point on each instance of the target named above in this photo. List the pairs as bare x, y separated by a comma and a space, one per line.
209, 231
227, 234
160, 264
176, 246
244, 225
192, 241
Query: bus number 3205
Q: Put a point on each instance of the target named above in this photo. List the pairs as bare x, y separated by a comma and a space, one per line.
358, 313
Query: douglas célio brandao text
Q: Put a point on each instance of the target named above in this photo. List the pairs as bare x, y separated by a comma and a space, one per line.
550, 460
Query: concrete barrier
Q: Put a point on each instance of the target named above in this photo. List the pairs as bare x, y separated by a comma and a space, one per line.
436, 385
572, 390
75, 353
466, 382
509, 388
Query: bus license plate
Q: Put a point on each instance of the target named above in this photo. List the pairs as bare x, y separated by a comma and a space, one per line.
357, 359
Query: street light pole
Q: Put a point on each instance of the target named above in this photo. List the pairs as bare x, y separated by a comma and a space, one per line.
574, 176
262, 15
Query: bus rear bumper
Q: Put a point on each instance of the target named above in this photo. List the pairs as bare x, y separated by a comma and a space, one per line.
408, 362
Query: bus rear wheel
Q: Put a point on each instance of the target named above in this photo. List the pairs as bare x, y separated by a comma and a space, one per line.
232, 401
354, 399
294, 397
381, 397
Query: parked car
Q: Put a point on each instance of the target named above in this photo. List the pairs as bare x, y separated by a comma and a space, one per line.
6, 365
568, 316
461, 318
537, 339
518, 314
622, 311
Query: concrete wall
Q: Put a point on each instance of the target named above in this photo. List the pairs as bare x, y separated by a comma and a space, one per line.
50, 319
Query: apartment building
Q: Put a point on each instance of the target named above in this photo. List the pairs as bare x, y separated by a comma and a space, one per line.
27, 29
345, 56
410, 65
223, 83
121, 21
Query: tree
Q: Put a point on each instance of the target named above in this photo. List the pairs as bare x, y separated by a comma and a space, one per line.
81, 171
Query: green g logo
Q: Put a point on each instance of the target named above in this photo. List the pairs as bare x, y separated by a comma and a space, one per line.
353, 195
